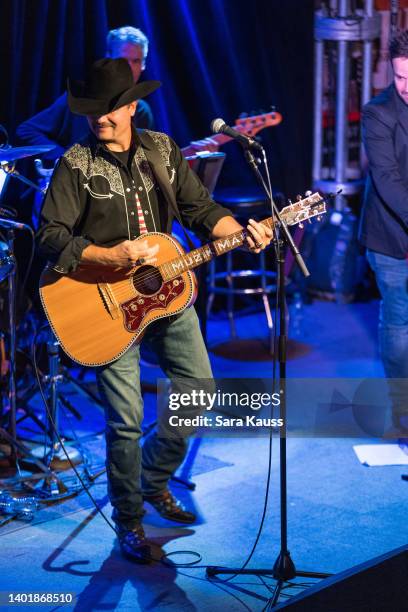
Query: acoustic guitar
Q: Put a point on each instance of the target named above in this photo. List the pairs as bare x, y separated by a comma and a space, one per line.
98, 312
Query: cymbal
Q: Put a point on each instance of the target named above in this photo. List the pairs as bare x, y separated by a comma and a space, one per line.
14, 153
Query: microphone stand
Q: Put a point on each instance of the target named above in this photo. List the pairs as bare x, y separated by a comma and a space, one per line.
283, 569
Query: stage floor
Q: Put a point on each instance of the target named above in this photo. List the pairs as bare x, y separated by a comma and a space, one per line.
340, 512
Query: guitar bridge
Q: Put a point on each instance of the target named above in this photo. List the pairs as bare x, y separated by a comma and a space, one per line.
108, 299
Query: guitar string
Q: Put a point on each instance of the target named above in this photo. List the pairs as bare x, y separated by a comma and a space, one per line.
152, 274
269, 222
121, 288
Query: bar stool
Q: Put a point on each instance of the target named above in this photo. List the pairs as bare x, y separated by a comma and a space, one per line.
244, 204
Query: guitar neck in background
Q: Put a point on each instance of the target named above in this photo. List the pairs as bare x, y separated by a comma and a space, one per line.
210, 143
249, 126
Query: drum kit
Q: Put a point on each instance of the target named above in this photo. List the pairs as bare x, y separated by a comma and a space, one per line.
14, 396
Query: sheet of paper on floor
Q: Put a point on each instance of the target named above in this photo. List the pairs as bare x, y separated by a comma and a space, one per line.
381, 454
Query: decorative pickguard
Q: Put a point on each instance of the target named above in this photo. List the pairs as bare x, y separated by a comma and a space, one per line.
136, 309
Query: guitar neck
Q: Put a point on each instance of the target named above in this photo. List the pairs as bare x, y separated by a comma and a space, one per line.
245, 125
209, 143
295, 213
173, 268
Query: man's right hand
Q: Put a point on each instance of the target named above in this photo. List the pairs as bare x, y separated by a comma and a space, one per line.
126, 254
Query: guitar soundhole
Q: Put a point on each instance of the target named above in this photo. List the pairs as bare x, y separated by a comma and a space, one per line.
147, 280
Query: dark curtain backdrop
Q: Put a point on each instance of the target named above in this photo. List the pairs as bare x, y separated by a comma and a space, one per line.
214, 57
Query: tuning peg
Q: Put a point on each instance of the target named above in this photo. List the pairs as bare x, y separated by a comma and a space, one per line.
318, 218
310, 221
273, 108
308, 193
290, 202
301, 225
298, 197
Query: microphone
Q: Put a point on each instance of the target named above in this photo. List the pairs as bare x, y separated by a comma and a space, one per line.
219, 126
9, 224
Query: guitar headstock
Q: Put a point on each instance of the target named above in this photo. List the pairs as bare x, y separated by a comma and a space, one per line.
254, 124
304, 209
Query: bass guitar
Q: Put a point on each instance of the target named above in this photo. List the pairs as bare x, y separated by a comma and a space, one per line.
250, 126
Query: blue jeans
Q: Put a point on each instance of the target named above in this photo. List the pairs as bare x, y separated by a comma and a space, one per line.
132, 471
392, 280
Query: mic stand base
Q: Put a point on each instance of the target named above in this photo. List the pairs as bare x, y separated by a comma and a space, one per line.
283, 571
214, 570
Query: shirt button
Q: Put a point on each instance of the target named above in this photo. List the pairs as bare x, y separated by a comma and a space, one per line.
127, 189
140, 188
132, 213
146, 212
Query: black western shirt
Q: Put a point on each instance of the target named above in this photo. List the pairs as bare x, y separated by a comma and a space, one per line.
92, 199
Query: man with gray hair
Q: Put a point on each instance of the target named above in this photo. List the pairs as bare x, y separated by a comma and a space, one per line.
57, 126
131, 44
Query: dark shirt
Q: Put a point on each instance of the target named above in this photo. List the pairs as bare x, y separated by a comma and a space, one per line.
123, 156
91, 199
384, 218
57, 126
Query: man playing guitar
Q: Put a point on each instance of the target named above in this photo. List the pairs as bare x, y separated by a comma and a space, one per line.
106, 192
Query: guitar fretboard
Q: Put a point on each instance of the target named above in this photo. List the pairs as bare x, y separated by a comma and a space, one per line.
173, 268
295, 213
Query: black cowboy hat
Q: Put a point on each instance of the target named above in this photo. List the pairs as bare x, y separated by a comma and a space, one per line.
108, 86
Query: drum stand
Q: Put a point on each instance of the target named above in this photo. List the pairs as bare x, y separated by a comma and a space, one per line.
52, 488
9, 434
52, 484
12, 352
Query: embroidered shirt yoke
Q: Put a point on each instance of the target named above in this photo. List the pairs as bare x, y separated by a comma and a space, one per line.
92, 199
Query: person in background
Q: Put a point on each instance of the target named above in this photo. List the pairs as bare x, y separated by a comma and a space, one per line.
57, 126
384, 221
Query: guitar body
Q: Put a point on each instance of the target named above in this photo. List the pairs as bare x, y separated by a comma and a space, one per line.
98, 312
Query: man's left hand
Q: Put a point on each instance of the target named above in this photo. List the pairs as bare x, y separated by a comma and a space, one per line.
259, 236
